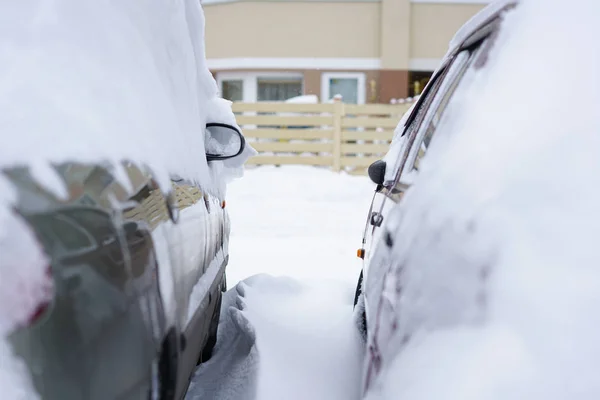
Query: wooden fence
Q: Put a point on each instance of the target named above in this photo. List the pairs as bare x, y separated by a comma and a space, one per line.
337, 135
153, 209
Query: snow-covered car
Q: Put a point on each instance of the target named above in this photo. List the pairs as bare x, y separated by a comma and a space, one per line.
103, 332
480, 278
114, 164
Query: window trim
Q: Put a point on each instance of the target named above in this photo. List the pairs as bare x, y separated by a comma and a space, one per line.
413, 123
449, 80
360, 76
417, 127
84, 232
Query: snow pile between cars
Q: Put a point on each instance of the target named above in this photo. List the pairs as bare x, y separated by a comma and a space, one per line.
91, 81
507, 205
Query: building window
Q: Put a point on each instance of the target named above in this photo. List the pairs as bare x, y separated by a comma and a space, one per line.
278, 89
233, 89
260, 86
351, 86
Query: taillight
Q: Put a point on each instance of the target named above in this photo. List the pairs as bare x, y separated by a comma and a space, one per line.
46, 299
38, 313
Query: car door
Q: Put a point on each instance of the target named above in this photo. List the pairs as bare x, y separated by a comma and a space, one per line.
94, 341
419, 132
391, 191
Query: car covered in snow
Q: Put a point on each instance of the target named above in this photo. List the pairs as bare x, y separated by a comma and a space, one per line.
114, 164
479, 280
394, 173
105, 331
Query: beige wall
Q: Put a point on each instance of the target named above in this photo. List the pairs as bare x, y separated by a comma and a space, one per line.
434, 25
395, 30
296, 29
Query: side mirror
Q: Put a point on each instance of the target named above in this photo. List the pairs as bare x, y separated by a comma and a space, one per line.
377, 172
223, 141
130, 228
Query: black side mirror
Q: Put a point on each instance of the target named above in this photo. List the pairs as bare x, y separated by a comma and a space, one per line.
224, 141
130, 228
377, 172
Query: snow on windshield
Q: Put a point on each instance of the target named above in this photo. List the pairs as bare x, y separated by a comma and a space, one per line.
497, 259
92, 81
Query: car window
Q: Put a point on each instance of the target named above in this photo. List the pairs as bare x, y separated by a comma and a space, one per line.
60, 234
431, 121
396, 189
97, 223
424, 123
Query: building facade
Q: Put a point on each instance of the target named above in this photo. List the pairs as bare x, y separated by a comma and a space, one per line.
368, 51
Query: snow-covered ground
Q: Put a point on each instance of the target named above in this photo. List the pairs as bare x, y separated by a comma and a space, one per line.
295, 231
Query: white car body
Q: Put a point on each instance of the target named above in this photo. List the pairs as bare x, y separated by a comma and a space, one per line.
483, 281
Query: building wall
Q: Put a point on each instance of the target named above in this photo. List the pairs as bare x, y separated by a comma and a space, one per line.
381, 40
434, 24
296, 29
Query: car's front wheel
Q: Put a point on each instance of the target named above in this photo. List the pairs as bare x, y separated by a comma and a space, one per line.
358, 288
167, 365
207, 351
360, 314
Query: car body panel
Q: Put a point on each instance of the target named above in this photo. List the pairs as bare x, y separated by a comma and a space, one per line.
115, 248
413, 136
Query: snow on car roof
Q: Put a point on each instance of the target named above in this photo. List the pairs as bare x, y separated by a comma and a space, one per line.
476, 21
91, 81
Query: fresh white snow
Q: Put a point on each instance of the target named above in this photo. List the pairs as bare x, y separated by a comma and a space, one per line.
295, 231
134, 95
498, 259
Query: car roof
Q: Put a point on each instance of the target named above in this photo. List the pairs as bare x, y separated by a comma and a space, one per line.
475, 29
476, 22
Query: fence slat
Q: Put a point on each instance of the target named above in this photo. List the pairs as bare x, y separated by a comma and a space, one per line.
338, 118
289, 134
293, 147
283, 121
367, 135
365, 148
287, 160
377, 109
283, 107
358, 161
364, 122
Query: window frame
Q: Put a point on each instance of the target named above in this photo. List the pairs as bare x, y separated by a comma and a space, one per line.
437, 94
250, 81
266, 78
361, 95
55, 243
441, 99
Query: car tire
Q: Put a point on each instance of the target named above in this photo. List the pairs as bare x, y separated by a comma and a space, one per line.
167, 366
207, 351
360, 314
358, 291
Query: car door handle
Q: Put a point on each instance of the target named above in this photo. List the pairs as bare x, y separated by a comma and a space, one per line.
376, 219
108, 240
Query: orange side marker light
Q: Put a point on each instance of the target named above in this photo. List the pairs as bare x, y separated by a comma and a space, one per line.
360, 253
